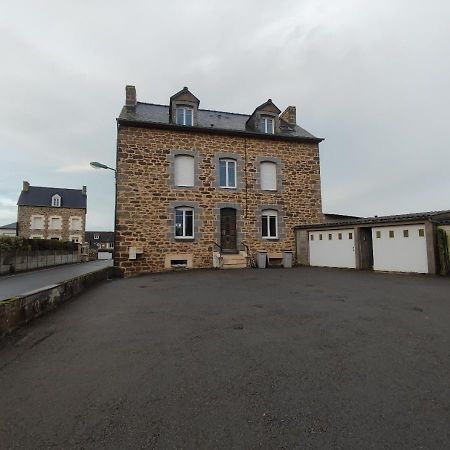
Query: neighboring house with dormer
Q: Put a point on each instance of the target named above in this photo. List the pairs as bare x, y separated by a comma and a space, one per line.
101, 240
197, 186
52, 213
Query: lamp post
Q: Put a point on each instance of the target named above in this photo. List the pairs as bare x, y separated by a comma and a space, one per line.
98, 165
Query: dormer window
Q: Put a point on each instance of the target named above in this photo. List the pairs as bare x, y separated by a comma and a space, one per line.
56, 200
184, 116
267, 125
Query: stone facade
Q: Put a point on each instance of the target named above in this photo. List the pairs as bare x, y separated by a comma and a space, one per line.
65, 233
146, 194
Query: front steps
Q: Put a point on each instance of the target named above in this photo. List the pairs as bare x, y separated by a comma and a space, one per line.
234, 261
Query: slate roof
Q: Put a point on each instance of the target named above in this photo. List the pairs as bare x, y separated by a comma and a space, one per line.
104, 236
9, 226
153, 114
435, 216
42, 196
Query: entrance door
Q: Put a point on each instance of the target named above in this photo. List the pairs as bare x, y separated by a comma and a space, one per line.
228, 230
366, 248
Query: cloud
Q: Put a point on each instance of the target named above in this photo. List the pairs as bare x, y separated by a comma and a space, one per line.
370, 77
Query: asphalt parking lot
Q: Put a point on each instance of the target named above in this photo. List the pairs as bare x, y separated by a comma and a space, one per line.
272, 359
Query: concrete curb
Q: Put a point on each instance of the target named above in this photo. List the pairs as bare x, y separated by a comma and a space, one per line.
17, 311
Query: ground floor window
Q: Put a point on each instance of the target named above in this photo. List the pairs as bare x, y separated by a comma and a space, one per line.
270, 224
184, 223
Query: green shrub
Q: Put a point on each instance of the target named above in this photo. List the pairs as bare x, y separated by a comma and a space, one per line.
11, 243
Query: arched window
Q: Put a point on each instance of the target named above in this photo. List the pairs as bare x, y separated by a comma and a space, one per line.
56, 200
227, 173
184, 170
269, 224
184, 223
268, 175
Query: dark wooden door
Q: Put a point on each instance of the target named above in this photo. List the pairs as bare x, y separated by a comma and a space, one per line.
228, 230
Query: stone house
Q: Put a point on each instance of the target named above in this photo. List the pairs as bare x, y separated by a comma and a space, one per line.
52, 213
101, 240
199, 188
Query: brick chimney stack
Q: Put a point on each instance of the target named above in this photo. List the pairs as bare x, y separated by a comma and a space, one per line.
26, 186
290, 115
83, 190
130, 97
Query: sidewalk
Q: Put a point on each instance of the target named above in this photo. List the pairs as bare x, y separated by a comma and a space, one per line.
21, 283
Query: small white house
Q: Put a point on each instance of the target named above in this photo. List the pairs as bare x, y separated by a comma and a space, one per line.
401, 243
9, 230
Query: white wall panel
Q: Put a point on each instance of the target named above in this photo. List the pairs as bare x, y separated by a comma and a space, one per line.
335, 252
268, 176
399, 253
184, 170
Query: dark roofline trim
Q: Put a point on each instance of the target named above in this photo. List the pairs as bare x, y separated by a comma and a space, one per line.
163, 126
378, 221
50, 206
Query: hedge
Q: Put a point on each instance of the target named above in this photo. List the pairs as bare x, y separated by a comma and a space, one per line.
8, 243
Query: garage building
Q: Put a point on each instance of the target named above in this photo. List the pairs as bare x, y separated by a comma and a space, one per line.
399, 243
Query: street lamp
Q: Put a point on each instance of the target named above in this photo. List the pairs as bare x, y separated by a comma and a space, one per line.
97, 165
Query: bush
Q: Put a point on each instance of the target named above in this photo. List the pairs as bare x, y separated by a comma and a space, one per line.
10, 243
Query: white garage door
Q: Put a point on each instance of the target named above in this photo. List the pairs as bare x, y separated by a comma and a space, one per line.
400, 249
332, 248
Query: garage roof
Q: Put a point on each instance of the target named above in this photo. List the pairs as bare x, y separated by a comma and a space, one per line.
435, 216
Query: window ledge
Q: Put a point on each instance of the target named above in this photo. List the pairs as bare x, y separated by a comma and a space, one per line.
271, 238
180, 238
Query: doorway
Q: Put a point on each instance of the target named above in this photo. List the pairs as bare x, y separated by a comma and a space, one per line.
228, 232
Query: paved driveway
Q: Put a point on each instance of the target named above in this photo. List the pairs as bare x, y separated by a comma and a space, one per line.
22, 282
301, 358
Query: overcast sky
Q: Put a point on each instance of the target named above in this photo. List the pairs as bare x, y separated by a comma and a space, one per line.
371, 77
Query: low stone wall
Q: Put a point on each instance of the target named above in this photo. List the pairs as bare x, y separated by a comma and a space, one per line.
20, 261
18, 311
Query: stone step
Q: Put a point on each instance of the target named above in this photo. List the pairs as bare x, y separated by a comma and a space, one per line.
234, 266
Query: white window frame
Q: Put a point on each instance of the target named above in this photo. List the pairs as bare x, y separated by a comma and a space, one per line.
184, 109
227, 184
177, 173
56, 201
37, 216
96, 236
273, 165
184, 209
71, 223
265, 122
50, 222
265, 215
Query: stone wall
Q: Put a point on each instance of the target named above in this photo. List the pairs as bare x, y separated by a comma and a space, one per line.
145, 194
26, 212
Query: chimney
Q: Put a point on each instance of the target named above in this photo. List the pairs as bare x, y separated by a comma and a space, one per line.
26, 186
130, 97
290, 115
83, 190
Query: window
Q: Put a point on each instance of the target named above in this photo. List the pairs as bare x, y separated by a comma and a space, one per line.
350, 235
421, 232
268, 176
184, 223
267, 125
37, 223
96, 236
227, 173
75, 223
75, 239
56, 200
55, 223
378, 234
320, 237
184, 116
340, 236
54, 239
391, 233
330, 236
269, 224
405, 233
184, 170
311, 237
